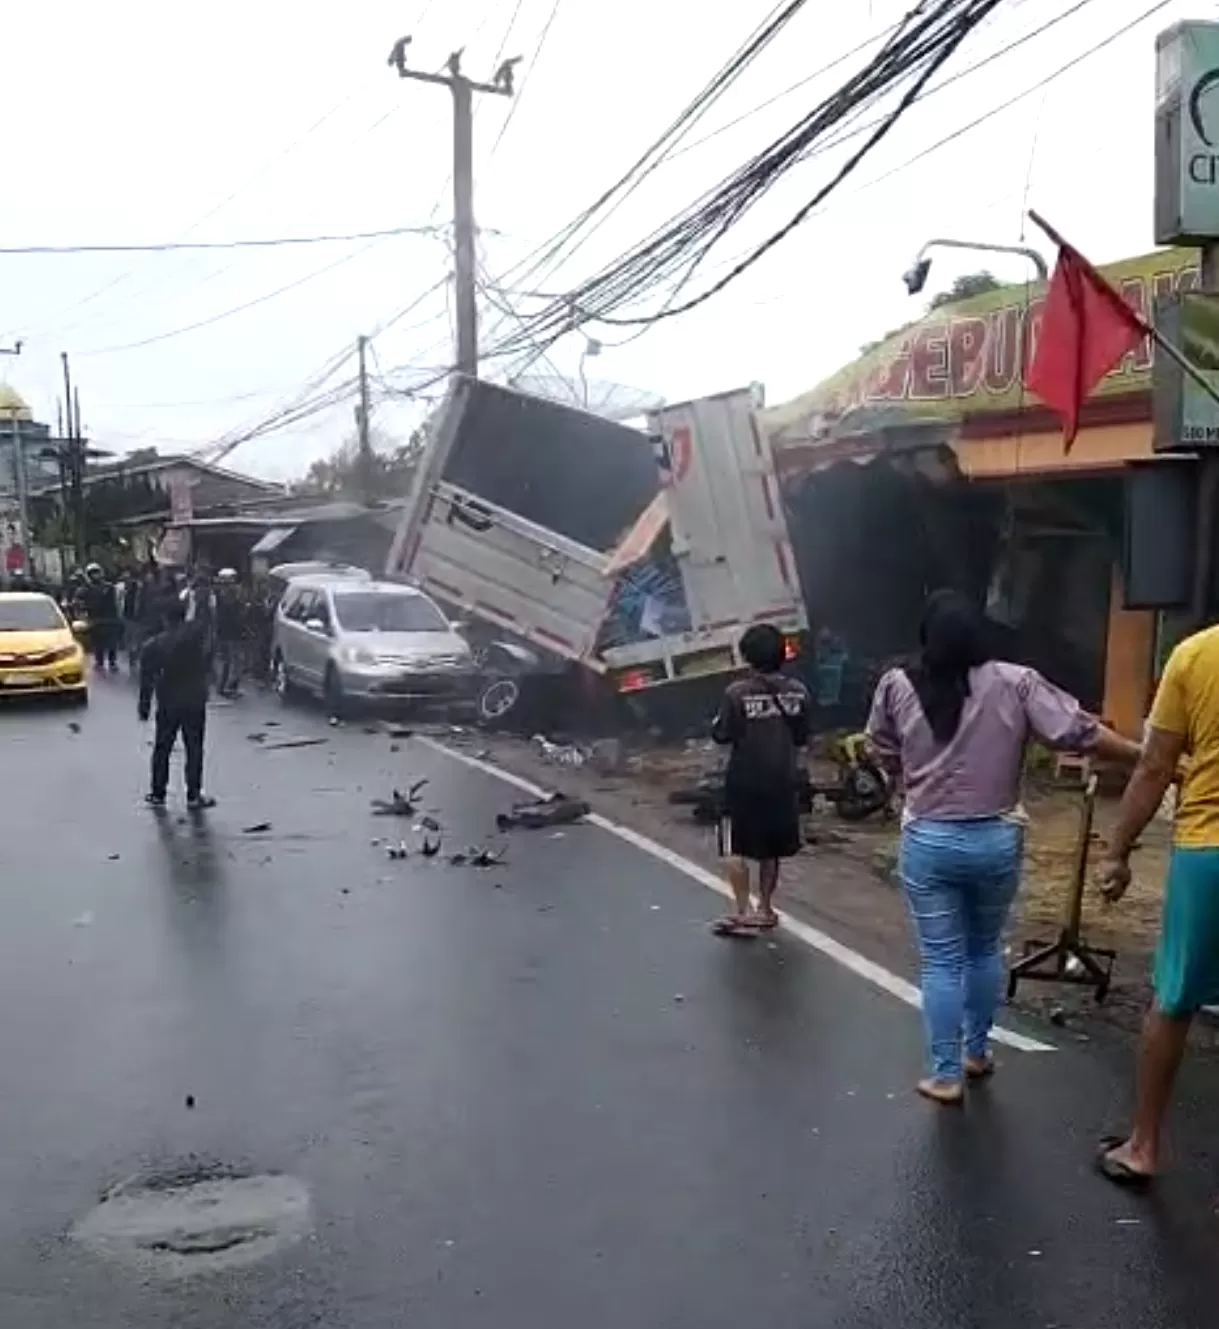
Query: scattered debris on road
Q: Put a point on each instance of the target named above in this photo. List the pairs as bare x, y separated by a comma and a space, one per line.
558, 754
258, 736
74, 726
399, 804
257, 828
399, 851
112, 858
431, 847
294, 743
190, 1100
556, 810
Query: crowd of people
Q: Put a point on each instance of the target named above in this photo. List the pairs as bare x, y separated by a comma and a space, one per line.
121, 613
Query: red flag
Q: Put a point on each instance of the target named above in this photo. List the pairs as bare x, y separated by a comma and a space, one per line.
1086, 328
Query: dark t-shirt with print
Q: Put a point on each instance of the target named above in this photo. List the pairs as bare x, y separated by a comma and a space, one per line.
764, 718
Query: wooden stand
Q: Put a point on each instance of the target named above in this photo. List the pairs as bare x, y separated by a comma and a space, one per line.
1069, 959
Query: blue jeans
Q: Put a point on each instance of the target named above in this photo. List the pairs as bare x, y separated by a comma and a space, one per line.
960, 879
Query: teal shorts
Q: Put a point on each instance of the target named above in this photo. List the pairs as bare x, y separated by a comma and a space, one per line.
1187, 960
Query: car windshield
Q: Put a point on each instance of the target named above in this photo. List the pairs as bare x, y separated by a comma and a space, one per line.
29, 616
380, 611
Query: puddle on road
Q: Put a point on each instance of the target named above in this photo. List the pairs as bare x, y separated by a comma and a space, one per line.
196, 1219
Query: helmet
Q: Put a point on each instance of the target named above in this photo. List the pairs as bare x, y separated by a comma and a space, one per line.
226, 575
93, 569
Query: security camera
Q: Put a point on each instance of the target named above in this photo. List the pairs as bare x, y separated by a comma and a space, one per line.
915, 277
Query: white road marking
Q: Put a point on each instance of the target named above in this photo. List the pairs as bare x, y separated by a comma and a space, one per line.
869, 970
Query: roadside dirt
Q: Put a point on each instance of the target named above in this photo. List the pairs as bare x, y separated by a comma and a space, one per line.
845, 881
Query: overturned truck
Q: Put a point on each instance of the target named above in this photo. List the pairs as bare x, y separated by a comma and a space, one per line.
639, 556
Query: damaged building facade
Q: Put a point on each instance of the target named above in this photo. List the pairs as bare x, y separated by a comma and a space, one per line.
926, 463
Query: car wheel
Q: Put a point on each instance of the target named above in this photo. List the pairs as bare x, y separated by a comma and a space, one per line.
332, 693
497, 699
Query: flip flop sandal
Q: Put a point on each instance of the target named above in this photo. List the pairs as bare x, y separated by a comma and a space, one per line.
764, 922
1119, 1173
733, 927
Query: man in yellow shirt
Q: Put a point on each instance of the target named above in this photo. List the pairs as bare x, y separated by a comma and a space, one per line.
1184, 723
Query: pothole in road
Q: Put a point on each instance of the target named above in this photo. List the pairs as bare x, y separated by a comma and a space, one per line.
196, 1218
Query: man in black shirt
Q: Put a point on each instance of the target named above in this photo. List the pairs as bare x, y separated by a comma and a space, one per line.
764, 719
174, 668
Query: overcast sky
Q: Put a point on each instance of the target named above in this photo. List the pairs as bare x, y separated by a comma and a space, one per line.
129, 123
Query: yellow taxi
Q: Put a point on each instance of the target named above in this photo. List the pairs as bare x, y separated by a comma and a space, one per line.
38, 651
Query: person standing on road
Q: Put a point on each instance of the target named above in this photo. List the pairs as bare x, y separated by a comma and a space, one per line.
764, 719
174, 667
99, 603
230, 629
1183, 729
954, 726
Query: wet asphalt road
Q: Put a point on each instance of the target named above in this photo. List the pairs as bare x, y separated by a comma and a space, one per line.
538, 1095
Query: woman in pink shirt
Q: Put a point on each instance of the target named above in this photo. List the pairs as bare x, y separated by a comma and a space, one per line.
954, 726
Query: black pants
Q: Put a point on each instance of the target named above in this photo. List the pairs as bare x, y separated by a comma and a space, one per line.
190, 721
105, 643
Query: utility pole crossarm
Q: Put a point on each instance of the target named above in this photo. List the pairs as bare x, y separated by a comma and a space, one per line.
464, 232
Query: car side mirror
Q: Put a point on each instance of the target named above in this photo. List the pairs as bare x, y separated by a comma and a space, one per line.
79, 627
461, 625
315, 625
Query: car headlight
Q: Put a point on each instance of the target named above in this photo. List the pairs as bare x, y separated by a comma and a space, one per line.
359, 655
63, 653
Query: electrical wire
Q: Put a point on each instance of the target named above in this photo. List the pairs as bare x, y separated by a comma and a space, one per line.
533, 64
229, 313
928, 36
175, 246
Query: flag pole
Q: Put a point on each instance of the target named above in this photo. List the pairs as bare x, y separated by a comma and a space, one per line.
1174, 353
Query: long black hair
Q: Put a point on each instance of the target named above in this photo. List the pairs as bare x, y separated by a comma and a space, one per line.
953, 642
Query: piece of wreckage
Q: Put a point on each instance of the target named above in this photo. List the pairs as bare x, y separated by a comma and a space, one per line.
604, 574
859, 788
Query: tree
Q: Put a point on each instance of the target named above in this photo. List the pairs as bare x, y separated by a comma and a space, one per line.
965, 288
339, 476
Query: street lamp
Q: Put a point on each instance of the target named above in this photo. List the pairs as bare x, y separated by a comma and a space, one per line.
915, 276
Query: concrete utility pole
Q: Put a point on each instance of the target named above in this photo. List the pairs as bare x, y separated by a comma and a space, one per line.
365, 459
464, 232
74, 463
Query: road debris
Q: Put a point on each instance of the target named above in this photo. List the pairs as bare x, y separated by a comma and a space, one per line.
429, 824
431, 848
294, 743
556, 810
399, 804
558, 754
257, 828
398, 851
401, 732
258, 736
190, 1101
485, 858
112, 858
74, 726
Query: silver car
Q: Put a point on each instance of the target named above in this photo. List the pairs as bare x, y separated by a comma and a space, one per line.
353, 642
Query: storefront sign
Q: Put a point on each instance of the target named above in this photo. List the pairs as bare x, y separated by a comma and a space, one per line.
1187, 134
966, 359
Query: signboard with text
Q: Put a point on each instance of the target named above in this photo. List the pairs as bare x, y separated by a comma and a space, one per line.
1187, 134
966, 360
1185, 416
